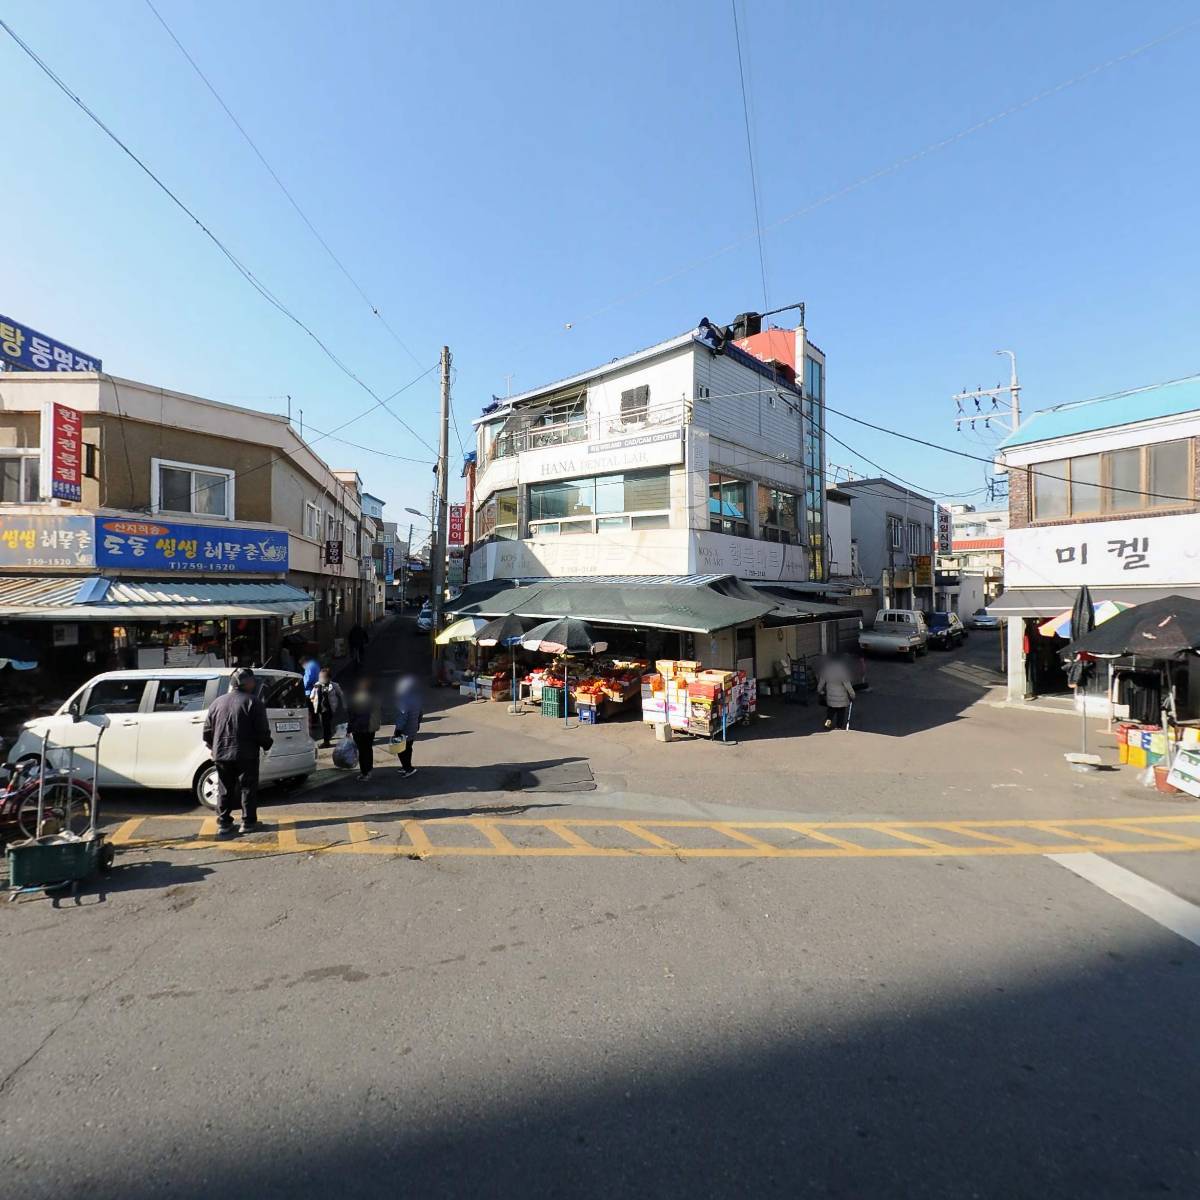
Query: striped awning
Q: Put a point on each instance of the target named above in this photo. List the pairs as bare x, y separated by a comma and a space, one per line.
94, 598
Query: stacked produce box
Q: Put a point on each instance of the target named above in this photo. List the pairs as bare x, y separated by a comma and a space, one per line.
697, 701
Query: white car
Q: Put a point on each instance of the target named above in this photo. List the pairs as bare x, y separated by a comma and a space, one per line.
982, 619
425, 620
153, 723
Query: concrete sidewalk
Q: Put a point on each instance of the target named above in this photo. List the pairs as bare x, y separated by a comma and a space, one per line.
927, 742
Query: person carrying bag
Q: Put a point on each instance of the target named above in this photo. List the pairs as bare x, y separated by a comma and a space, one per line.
409, 706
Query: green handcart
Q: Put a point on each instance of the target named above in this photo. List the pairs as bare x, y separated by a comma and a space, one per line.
62, 859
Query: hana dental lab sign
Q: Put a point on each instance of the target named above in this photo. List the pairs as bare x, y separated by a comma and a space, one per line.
171, 546
1139, 552
597, 458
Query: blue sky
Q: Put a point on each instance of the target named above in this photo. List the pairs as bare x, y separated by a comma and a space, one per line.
491, 172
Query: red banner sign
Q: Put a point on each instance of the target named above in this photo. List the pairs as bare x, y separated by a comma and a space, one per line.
458, 524
62, 453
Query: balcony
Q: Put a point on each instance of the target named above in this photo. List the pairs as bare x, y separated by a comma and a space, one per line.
593, 427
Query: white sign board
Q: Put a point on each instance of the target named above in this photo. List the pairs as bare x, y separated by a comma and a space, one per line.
719, 553
658, 448
1139, 552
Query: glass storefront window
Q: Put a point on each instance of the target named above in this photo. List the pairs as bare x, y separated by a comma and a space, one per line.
727, 505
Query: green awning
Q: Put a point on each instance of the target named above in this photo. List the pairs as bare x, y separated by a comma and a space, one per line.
684, 607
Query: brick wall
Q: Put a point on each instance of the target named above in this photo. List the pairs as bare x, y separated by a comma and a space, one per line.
1020, 499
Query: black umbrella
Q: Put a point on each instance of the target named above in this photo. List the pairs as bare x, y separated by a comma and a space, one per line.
1162, 629
566, 635
504, 631
1083, 621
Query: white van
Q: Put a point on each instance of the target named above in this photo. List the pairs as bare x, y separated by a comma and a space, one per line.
153, 723
897, 631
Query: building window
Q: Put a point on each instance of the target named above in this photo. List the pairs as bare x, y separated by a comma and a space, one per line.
634, 405
914, 538
1117, 481
177, 487
814, 379
19, 475
601, 503
777, 515
895, 533
312, 521
497, 518
727, 505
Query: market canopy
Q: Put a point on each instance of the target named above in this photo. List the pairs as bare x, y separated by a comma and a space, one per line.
683, 603
95, 598
689, 604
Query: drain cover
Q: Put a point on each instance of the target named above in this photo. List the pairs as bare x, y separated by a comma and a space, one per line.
573, 776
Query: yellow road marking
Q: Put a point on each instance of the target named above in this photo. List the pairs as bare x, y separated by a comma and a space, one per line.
921, 839
653, 838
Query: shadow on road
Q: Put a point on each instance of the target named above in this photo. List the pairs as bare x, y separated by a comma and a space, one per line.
1035, 1089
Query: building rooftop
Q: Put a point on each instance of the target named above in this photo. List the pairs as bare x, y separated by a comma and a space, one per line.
1105, 412
854, 485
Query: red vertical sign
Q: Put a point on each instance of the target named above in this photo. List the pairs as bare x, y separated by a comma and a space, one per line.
458, 524
62, 453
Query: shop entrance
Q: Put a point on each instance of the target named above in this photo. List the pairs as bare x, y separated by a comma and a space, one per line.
1045, 674
745, 651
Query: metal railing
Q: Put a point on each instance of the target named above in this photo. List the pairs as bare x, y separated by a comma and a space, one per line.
595, 428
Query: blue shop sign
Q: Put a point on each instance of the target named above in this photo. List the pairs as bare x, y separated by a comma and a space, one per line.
25, 349
171, 546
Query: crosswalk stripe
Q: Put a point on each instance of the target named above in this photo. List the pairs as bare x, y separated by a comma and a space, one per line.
651, 837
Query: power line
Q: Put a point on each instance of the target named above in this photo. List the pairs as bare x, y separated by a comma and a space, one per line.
341, 266
1105, 487
762, 260
897, 165
225, 480
239, 266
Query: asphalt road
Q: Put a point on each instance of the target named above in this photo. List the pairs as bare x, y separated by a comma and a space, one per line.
277, 1022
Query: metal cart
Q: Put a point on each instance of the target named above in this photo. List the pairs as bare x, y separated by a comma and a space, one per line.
62, 859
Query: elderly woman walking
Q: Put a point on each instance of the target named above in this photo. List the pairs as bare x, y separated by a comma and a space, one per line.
835, 685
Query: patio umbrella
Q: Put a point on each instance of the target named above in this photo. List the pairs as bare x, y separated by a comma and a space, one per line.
504, 631
1060, 626
1083, 621
462, 630
565, 635
1161, 629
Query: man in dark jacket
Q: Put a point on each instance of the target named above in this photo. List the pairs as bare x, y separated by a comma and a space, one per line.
235, 730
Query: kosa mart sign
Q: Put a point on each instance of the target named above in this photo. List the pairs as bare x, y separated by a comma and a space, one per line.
25, 349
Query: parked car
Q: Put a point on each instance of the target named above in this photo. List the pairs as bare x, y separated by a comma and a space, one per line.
155, 720
946, 630
425, 619
982, 619
900, 631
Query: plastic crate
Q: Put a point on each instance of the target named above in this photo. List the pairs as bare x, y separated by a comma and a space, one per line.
589, 714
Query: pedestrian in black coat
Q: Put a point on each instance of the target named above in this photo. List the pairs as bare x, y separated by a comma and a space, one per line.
236, 729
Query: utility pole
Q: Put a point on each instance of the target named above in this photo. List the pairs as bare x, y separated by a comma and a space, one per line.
1006, 418
439, 533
